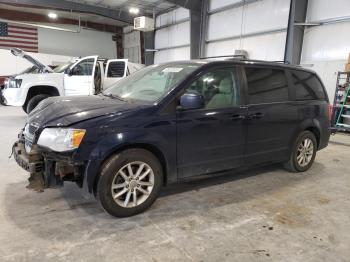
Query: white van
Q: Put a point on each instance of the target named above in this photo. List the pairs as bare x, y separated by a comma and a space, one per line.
87, 76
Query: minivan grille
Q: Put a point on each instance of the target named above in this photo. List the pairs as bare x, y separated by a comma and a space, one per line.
29, 135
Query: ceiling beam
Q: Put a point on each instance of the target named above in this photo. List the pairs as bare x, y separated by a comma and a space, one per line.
116, 14
194, 5
39, 18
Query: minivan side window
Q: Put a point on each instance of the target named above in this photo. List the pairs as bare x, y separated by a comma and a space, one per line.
266, 85
220, 88
307, 86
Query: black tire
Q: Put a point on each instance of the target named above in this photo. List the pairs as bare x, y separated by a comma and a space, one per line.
109, 171
34, 101
293, 165
24, 107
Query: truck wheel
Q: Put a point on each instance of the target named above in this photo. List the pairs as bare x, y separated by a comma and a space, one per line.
34, 101
303, 153
129, 182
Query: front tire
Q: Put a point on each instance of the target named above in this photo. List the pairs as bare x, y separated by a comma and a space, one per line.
303, 153
129, 182
34, 101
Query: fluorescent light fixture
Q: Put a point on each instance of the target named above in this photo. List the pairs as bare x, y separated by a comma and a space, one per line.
52, 15
134, 10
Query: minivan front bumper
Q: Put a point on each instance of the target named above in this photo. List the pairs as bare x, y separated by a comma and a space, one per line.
33, 165
47, 169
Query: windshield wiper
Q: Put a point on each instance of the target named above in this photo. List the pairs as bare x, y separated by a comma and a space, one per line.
114, 97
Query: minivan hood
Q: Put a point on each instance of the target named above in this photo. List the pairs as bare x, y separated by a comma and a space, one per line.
20, 53
65, 111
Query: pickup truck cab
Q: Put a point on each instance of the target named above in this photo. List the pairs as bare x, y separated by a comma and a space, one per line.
175, 121
87, 76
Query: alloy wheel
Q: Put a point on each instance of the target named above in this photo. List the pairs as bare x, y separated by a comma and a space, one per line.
133, 184
305, 152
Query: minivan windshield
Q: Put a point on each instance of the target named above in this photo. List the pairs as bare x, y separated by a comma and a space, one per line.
150, 83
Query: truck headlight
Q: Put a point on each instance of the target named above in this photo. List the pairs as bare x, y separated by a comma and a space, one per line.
14, 83
61, 139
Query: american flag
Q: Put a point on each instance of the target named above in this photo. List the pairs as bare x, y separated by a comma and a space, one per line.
20, 36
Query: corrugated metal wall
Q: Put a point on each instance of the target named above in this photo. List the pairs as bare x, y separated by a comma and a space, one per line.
326, 47
262, 25
264, 32
172, 36
132, 44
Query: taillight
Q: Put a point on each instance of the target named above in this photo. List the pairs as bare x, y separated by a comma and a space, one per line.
330, 112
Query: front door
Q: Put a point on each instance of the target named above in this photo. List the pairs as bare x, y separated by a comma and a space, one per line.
80, 79
212, 139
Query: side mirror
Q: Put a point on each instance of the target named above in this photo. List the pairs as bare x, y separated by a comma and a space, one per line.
68, 71
191, 101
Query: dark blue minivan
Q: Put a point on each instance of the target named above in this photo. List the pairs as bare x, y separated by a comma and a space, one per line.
173, 121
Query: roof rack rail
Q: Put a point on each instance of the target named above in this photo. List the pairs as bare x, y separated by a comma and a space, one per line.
223, 56
281, 61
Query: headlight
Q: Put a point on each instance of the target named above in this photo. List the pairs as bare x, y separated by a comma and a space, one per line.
14, 83
61, 139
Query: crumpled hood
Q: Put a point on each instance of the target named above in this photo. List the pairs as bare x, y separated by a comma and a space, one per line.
64, 111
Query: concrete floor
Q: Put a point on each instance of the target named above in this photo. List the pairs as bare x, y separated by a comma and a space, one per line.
265, 214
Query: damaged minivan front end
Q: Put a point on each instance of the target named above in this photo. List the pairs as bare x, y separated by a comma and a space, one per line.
49, 166
64, 140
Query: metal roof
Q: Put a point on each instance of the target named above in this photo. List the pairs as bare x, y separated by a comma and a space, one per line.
145, 6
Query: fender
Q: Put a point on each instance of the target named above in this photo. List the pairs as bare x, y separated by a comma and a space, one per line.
307, 124
163, 149
51, 79
19, 96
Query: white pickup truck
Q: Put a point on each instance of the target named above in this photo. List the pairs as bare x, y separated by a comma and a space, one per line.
87, 76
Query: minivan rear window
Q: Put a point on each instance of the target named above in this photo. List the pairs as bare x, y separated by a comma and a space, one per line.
266, 85
307, 86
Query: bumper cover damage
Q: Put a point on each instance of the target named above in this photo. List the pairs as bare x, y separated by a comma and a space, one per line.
32, 163
46, 171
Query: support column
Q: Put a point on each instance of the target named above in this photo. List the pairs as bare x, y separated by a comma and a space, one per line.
149, 45
295, 33
198, 24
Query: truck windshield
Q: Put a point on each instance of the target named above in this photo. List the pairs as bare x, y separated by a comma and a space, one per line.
61, 68
151, 83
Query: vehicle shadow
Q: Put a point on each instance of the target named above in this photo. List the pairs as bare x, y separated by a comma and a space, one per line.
67, 215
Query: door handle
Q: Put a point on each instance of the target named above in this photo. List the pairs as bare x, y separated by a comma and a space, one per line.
256, 115
237, 117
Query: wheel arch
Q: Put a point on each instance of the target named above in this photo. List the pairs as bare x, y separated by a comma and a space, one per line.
41, 89
148, 147
308, 125
316, 132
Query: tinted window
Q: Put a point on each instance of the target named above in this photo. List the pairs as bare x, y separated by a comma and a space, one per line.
84, 68
307, 86
220, 88
266, 85
116, 69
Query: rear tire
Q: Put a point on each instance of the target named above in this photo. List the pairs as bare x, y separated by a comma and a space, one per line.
123, 189
34, 101
303, 153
